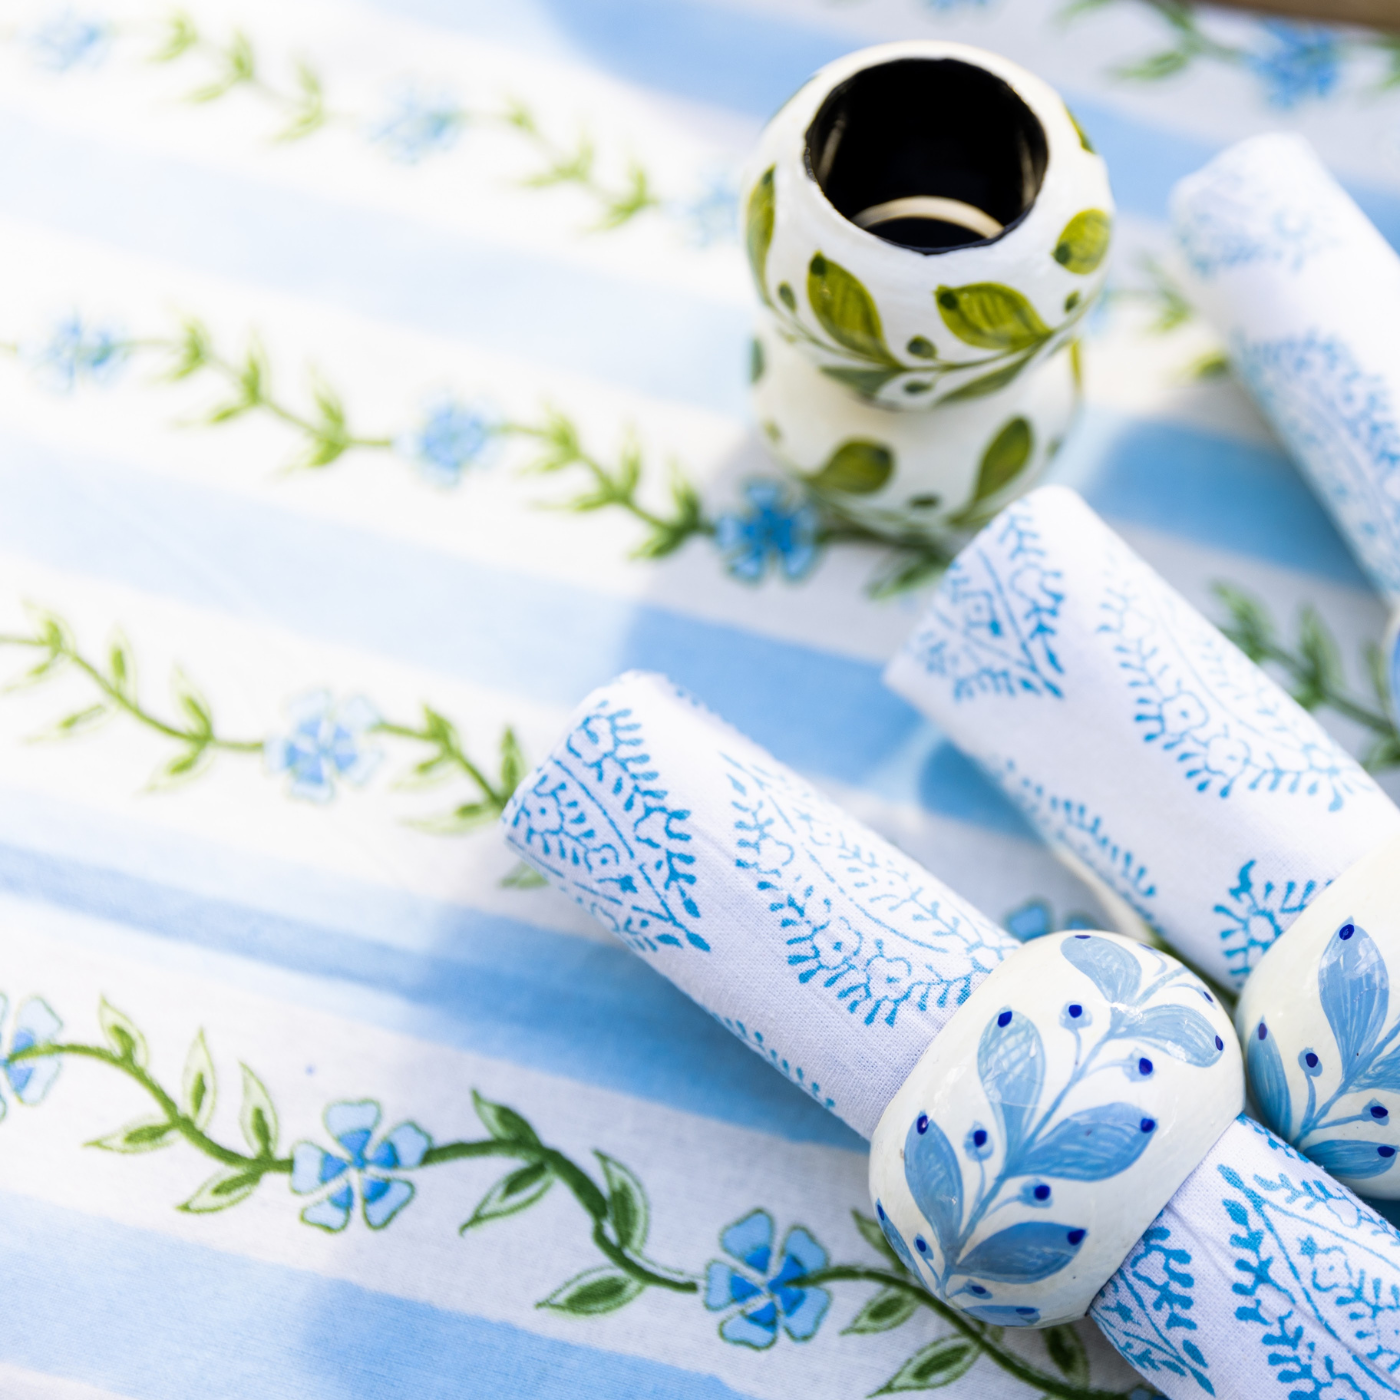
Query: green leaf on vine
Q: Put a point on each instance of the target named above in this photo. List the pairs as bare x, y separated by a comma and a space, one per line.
224, 1189
1067, 1352
938, 1364
1322, 663
757, 362
189, 763
988, 383
198, 1087
513, 1192
513, 765
119, 666
257, 1117
857, 467
758, 230
1084, 241
991, 316
523, 876
504, 1124
1250, 626
1155, 67
122, 1035
627, 1204
886, 1310
906, 569
874, 1236
847, 311
1004, 460
593, 1292
145, 1135
78, 721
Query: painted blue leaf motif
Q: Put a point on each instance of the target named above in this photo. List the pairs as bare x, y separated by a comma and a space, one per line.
1023, 1253
1011, 1063
1001, 1315
1352, 1157
935, 1179
1091, 1145
1382, 1074
1355, 991
1179, 1030
1267, 1081
1113, 970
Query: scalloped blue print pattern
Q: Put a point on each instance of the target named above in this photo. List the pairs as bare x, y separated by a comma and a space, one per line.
634, 874
853, 919
1035, 1142
990, 628
1364, 1058
1341, 423
1218, 717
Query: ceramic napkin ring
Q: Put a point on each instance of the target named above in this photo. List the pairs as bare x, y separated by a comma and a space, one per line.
1321, 1038
1049, 1123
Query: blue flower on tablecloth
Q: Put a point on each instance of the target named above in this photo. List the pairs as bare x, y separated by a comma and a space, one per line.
713, 215
419, 124
67, 40
1301, 61
35, 1024
77, 351
327, 742
452, 437
779, 528
758, 1293
366, 1167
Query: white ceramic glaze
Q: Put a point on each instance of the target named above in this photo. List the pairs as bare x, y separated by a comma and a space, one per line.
1051, 1120
883, 319
1321, 1038
904, 474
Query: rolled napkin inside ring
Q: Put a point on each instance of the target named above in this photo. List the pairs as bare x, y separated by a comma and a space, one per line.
841, 961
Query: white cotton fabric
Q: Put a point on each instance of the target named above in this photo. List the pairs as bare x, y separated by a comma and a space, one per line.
1147, 750
823, 947
1306, 293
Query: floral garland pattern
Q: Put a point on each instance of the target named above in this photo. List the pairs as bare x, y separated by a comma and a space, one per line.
760, 1286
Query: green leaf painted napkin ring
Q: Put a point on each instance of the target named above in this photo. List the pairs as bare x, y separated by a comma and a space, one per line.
1321, 1040
927, 226
1053, 1117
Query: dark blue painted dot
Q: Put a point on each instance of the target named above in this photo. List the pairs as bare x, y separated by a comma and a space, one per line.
1144, 1066
1378, 1112
1076, 1237
1219, 1044
1004, 1019
921, 1244
1208, 997
922, 1123
1081, 935
1386, 1151
1148, 1124
979, 1137
1346, 931
977, 1289
1075, 1009
1027, 1312
1263, 1031
1042, 1192
1311, 1059
879, 1210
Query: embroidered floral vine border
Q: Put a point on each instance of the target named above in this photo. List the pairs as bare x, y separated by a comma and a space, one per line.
758, 1288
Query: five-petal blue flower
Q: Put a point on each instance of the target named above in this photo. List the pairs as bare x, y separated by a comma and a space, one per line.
327, 741
452, 436
780, 527
35, 1024
418, 125
1301, 61
366, 1169
760, 1295
76, 351
68, 39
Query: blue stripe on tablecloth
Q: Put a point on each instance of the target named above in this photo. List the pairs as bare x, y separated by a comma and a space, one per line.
569, 1006
752, 62
118, 1307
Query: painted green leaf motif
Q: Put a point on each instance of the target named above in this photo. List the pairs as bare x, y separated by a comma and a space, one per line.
846, 310
595, 1291
122, 1035
257, 1117
222, 1190
866, 382
627, 1203
991, 316
503, 1123
513, 1192
1081, 133
886, 1310
758, 230
1004, 460
938, 1364
1084, 241
757, 361
856, 467
143, 1136
988, 383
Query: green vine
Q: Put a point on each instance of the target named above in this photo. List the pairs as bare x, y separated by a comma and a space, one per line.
192, 729
614, 1202
1313, 665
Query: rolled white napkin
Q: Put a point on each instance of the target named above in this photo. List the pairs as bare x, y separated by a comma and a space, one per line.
1154, 757
838, 959
1306, 294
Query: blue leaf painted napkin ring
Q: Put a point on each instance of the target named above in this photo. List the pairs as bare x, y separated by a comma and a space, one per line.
1104, 1073
1322, 1042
